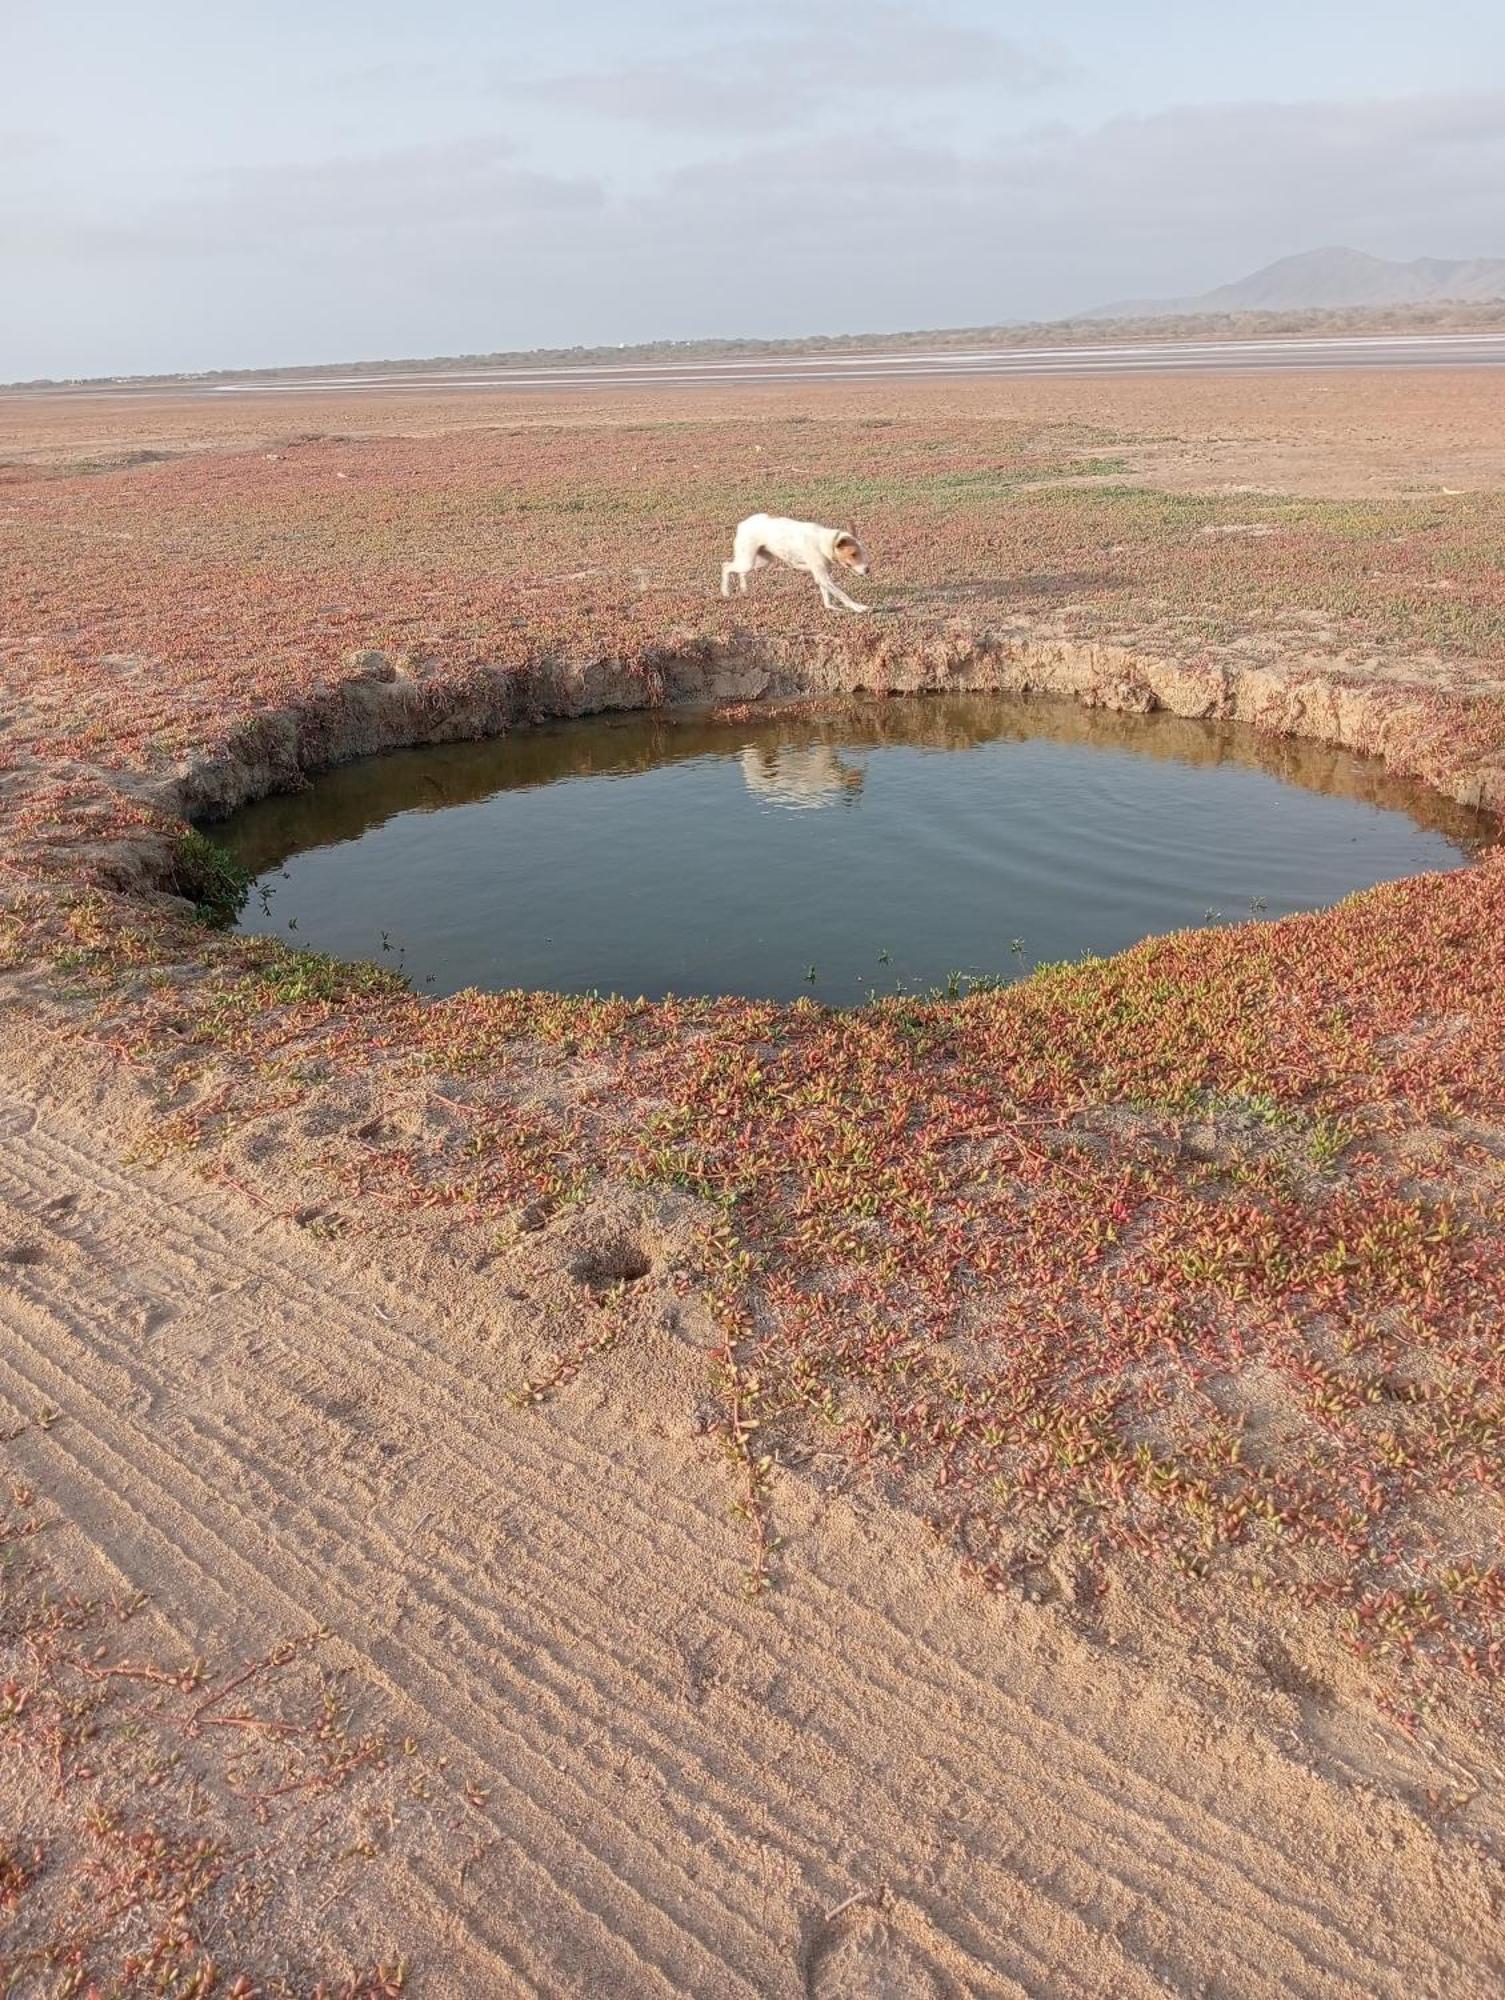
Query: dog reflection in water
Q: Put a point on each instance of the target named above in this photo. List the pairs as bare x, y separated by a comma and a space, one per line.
799, 776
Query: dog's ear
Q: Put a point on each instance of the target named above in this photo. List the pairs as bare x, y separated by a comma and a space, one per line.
845, 543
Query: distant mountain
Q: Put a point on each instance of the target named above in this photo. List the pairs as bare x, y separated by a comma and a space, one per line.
1333, 278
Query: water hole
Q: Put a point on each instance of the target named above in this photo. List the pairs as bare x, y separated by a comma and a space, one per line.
867, 848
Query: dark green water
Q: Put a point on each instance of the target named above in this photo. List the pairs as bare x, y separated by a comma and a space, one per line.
886, 845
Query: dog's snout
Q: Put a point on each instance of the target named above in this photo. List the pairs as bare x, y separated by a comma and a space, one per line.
861, 569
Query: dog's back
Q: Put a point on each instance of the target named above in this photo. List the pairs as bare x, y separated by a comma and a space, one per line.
778, 539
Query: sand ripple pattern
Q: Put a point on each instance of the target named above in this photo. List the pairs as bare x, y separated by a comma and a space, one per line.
874, 1784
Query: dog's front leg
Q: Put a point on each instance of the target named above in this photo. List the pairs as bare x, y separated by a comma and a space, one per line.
832, 594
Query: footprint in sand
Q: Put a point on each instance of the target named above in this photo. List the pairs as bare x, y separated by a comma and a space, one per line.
860, 1956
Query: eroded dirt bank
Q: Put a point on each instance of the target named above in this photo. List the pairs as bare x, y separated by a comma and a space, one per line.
384, 703
1441, 728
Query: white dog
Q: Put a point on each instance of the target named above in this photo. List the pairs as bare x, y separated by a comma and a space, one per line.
765, 538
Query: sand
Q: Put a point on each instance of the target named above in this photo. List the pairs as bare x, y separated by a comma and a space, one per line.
875, 1782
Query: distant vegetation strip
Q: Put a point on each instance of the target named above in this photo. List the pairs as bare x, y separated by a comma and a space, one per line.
1081, 332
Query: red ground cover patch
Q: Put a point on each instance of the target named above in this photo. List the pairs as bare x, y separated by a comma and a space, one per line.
146, 610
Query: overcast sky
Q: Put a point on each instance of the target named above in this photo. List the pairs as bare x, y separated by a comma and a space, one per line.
184, 184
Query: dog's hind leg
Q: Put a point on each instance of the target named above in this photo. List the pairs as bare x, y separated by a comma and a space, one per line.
746, 556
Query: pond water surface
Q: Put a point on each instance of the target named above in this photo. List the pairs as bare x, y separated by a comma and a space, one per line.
874, 847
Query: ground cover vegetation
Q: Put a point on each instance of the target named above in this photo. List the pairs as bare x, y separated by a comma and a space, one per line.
1187, 1263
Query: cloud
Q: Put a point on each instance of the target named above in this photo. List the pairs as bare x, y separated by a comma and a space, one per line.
469, 181
1420, 160
357, 79
467, 246
1191, 196
471, 193
21, 144
777, 80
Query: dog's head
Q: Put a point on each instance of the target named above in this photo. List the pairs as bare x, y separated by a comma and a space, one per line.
847, 549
